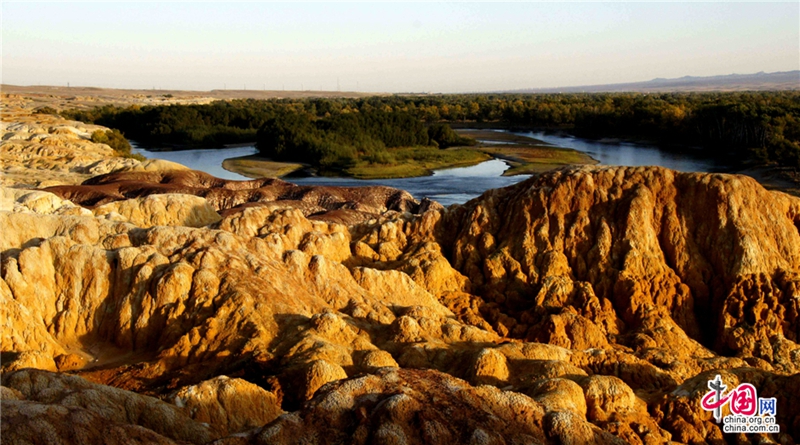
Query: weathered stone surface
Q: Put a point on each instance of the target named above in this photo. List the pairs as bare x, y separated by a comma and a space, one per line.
25, 422
43, 150
351, 204
318, 373
491, 367
59, 408
12, 361
394, 406
161, 210
643, 257
559, 394
607, 397
568, 428
372, 360
600, 301
36, 201
231, 405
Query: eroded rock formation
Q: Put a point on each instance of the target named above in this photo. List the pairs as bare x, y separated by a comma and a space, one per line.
44, 150
692, 264
345, 204
595, 303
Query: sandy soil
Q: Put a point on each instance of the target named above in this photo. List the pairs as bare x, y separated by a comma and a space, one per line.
775, 178
89, 97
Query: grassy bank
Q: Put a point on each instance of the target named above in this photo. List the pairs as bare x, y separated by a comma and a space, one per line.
403, 162
416, 161
524, 154
525, 160
259, 167
499, 137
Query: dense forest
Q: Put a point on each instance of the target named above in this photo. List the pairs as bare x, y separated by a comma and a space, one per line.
764, 126
337, 141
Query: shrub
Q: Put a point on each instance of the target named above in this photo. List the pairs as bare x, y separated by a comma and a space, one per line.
114, 139
445, 137
46, 110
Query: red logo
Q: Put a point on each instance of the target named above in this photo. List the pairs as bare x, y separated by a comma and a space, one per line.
741, 400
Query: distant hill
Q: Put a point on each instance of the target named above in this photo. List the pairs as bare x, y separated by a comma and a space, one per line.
786, 80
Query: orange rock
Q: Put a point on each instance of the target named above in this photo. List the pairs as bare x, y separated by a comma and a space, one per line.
406, 406
69, 409
231, 405
591, 256
643, 282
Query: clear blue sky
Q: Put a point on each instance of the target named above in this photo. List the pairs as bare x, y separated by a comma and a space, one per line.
454, 47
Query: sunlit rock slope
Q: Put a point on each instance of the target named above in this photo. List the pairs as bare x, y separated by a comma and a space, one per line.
581, 306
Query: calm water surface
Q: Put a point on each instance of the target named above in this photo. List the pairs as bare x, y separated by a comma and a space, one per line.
208, 160
449, 186
631, 154
456, 185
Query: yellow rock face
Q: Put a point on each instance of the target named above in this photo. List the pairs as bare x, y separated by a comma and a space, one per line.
46, 150
61, 408
161, 210
36, 201
581, 306
644, 257
231, 405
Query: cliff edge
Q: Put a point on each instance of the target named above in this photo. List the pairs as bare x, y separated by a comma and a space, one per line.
597, 302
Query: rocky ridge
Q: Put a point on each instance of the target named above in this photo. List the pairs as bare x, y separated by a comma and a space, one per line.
340, 204
578, 293
587, 305
40, 150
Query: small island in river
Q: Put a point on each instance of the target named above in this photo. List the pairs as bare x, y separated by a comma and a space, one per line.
524, 155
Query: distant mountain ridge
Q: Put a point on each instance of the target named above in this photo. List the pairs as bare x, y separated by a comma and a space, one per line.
761, 81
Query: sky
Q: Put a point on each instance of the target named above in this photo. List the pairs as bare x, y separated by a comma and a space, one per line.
390, 47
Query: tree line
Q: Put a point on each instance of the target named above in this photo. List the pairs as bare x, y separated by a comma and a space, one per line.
337, 141
743, 125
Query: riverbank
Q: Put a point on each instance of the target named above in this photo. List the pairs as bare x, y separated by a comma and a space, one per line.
773, 177
412, 162
406, 162
525, 155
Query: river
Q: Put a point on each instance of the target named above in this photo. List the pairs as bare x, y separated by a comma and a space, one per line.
615, 152
208, 160
455, 185
448, 186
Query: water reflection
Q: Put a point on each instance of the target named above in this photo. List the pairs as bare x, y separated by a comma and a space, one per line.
630, 154
449, 186
208, 160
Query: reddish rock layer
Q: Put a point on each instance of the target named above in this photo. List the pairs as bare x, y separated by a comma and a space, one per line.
597, 302
348, 203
